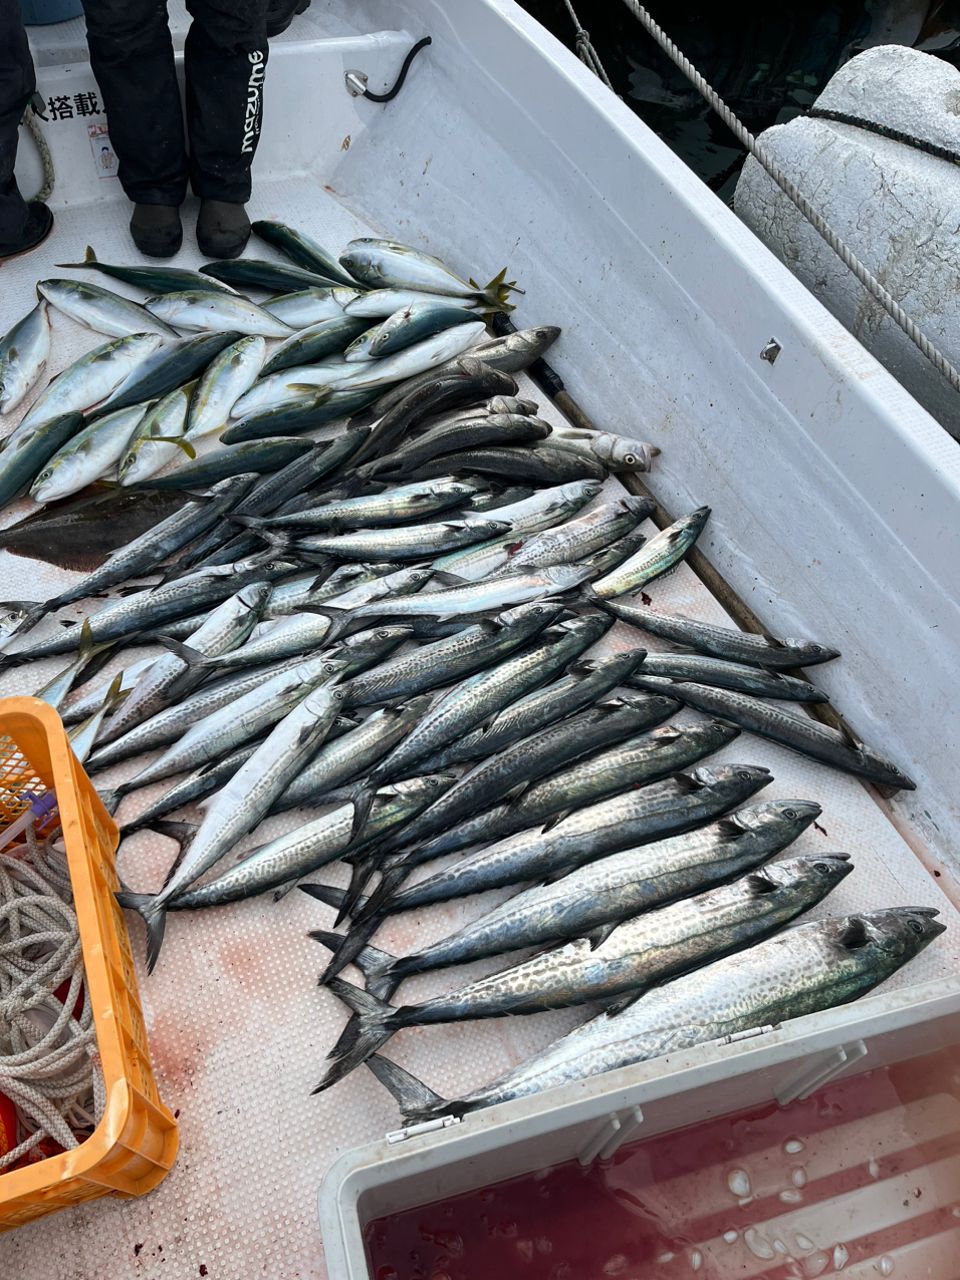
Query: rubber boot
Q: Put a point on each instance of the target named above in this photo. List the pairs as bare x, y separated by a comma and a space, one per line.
156, 229
223, 229
37, 227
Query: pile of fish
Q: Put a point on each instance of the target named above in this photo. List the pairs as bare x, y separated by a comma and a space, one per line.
379, 597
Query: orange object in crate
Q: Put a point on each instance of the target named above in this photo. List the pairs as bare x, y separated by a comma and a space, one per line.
135, 1143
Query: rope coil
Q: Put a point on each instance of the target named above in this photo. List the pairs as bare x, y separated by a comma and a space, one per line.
49, 1066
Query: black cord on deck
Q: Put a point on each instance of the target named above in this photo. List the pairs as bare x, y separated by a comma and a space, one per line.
392, 93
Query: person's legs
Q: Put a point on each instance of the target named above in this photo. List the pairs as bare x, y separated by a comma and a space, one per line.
132, 58
22, 225
226, 57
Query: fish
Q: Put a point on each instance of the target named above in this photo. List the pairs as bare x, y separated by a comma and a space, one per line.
379, 304
227, 625
726, 643
644, 757
145, 612
195, 786
607, 891
789, 728
25, 458
240, 804
511, 771
326, 338
234, 723
521, 587
306, 307
359, 348
493, 429
172, 365
101, 309
405, 502
619, 961
472, 702
23, 356
414, 322
316, 407
388, 263
617, 453
422, 356
273, 490
584, 535
310, 846
257, 273
400, 542
664, 550
57, 687
430, 666
229, 375
83, 736
465, 382
88, 380
732, 675
88, 455
170, 725
510, 354
542, 464
302, 249
136, 558
154, 278
255, 456
158, 438
198, 309
343, 760
634, 817
300, 632
808, 968
613, 555
295, 385
293, 595
84, 704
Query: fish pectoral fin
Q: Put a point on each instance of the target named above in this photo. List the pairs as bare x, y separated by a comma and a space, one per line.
624, 1002
730, 828
515, 792
445, 578
686, 782
192, 657
557, 817
596, 937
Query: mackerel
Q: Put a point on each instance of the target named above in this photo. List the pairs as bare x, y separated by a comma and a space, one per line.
584, 535
811, 967
414, 542
464, 433
664, 550
731, 675
620, 961
520, 587
403, 503
722, 642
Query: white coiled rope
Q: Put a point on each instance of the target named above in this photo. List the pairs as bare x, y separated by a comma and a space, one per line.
588, 55
49, 1066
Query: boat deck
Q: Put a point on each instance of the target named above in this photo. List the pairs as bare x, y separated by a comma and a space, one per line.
237, 1025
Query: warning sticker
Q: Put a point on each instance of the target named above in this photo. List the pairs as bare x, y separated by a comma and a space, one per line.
104, 156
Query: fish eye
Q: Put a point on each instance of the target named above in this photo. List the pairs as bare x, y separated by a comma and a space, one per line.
744, 774
630, 459
821, 866
538, 608
916, 926
789, 813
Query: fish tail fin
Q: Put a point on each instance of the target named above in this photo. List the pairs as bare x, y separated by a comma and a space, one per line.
360, 873
326, 893
349, 951
375, 965
361, 796
110, 800
390, 881
373, 1024
496, 294
415, 1099
338, 618
154, 917
182, 833
256, 523
89, 259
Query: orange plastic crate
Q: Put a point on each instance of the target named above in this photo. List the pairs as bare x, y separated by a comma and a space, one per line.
135, 1143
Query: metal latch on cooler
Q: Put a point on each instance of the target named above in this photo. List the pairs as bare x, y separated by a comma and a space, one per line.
425, 1126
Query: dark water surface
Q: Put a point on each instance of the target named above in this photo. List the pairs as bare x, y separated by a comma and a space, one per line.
768, 61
